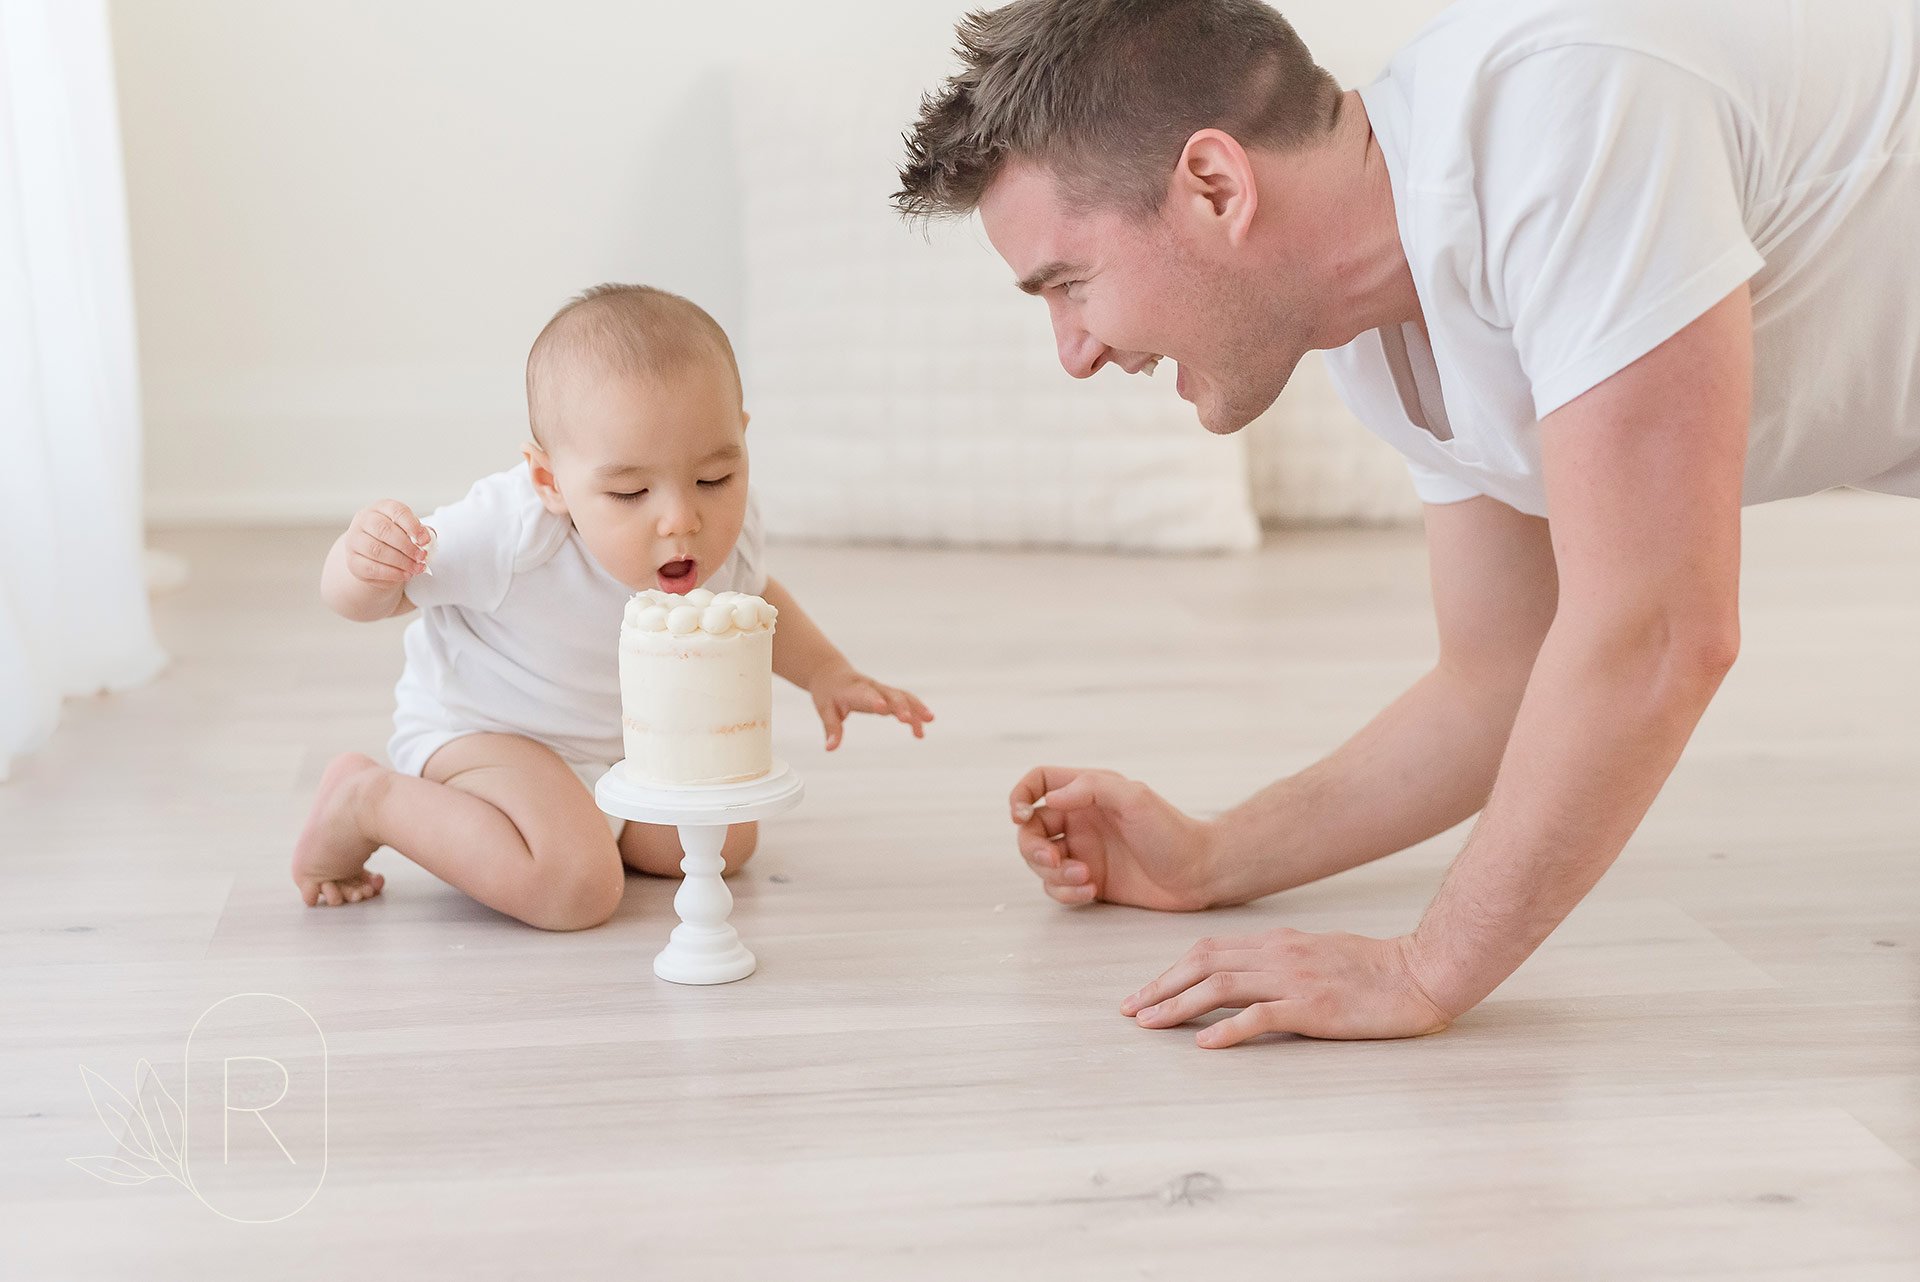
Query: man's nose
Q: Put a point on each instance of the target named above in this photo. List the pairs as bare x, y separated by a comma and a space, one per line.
1081, 354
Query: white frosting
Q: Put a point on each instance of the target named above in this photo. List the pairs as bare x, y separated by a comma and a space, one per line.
715, 613
696, 687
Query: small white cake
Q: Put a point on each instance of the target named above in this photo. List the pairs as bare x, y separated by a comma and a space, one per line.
696, 687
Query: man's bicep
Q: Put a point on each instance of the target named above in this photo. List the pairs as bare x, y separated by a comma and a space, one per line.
1644, 476
1494, 587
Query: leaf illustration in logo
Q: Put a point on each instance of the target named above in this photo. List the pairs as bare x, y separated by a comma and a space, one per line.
122, 1120
114, 1170
161, 1112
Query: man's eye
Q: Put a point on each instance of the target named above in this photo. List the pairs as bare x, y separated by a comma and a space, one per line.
714, 484
628, 497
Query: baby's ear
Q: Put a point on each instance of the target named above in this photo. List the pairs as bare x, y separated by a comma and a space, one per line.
540, 467
745, 418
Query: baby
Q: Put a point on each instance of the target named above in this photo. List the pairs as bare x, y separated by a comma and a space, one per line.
509, 705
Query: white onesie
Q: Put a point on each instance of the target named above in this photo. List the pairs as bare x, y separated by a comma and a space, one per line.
519, 630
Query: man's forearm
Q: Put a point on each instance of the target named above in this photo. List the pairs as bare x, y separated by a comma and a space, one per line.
1604, 720
1423, 765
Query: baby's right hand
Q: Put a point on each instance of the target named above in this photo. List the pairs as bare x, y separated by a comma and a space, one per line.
386, 544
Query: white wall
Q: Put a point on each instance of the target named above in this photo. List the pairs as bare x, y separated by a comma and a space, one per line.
350, 217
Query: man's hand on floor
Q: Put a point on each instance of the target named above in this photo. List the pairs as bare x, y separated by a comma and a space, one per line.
1287, 981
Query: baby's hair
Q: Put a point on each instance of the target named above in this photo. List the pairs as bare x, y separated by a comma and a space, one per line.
635, 331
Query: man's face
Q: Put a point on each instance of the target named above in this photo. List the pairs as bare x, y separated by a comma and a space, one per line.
1125, 290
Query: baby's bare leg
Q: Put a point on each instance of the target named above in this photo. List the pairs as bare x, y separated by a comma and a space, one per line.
498, 816
655, 848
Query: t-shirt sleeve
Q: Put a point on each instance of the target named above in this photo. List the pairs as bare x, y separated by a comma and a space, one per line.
475, 542
1610, 210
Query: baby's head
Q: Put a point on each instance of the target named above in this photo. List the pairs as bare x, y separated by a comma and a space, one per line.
639, 434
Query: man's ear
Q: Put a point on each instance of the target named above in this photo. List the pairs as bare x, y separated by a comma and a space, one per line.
1213, 184
540, 466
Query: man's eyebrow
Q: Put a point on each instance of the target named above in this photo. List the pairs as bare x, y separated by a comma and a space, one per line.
1039, 280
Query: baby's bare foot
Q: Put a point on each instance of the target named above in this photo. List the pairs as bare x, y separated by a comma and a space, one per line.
330, 858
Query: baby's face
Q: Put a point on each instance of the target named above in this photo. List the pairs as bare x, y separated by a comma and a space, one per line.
654, 474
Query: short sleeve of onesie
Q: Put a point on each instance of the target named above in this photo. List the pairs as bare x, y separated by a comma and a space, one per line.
1611, 219
476, 541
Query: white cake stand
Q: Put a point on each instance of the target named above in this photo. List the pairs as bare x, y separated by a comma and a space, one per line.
704, 947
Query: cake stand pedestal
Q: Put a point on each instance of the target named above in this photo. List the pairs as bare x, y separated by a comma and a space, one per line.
704, 947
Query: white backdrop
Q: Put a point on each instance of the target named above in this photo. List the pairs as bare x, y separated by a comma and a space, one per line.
349, 219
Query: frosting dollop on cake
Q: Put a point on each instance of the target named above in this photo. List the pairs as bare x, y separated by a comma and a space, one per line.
696, 687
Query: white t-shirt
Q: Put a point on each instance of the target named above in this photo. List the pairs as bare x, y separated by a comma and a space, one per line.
519, 627
1578, 180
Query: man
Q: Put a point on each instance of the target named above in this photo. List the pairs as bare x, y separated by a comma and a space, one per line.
1603, 270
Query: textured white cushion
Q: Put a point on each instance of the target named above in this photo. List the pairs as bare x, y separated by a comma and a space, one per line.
903, 390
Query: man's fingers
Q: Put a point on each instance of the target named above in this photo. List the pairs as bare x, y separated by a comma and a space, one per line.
1040, 852
1045, 782
1089, 788
1223, 988
1037, 829
1261, 1017
1202, 960
1032, 787
1050, 863
1182, 975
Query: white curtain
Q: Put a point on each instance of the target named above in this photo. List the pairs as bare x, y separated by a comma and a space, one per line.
73, 604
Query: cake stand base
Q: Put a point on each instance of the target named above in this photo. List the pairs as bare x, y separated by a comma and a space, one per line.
704, 948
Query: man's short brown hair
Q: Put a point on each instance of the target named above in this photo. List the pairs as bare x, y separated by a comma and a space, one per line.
634, 331
1105, 93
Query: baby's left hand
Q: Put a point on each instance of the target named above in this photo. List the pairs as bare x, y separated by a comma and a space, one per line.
841, 691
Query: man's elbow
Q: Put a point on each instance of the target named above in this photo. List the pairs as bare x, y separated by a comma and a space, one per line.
1696, 653
1678, 655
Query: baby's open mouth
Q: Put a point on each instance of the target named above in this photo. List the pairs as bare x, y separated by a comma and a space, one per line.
678, 576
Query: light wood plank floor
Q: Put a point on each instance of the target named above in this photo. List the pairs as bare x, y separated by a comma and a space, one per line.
1712, 1071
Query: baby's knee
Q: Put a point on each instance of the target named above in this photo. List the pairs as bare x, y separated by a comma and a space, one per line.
576, 895
742, 840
